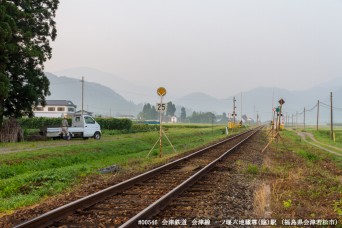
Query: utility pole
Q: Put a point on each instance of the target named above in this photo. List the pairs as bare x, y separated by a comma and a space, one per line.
292, 120
234, 107
82, 94
286, 120
331, 117
296, 120
273, 105
317, 115
255, 117
273, 123
241, 108
304, 118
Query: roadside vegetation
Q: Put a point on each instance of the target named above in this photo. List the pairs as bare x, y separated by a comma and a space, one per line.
52, 167
305, 181
323, 136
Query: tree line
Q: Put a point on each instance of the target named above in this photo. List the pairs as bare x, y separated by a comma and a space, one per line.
149, 112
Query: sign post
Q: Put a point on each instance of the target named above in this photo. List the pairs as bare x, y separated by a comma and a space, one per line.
161, 108
161, 91
278, 110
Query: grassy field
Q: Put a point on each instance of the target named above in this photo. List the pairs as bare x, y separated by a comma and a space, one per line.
30, 176
324, 137
305, 181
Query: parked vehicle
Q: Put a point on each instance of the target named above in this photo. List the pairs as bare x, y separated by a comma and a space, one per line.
83, 126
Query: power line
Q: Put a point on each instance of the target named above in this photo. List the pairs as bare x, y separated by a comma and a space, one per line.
328, 106
308, 110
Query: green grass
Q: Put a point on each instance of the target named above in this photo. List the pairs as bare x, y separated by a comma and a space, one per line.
28, 177
306, 178
307, 155
252, 169
324, 137
308, 152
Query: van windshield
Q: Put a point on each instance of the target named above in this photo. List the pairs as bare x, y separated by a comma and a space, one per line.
89, 120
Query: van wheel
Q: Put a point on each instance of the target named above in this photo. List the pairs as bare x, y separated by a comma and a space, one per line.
97, 135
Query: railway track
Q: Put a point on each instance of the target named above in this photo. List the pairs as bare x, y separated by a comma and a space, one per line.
140, 197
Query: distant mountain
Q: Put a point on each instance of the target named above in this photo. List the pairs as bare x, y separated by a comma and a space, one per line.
107, 99
125, 88
259, 100
203, 102
97, 98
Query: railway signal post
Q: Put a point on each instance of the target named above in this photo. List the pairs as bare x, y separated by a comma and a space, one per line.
278, 128
161, 108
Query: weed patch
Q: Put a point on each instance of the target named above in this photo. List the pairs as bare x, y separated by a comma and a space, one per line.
306, 181
252, 169
308, 156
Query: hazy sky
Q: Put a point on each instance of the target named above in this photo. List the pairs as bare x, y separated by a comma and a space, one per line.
219, 47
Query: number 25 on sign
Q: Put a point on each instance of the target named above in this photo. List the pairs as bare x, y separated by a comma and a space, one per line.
161, 107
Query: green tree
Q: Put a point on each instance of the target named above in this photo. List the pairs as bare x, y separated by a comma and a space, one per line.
154, 114
223, 118
202, 117
171, 109
183, 114
149, 112
146, 112
26, 28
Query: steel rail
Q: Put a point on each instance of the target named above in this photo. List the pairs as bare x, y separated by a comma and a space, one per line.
54, 215
162, 202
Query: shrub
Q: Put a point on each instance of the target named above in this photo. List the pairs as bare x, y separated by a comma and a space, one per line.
115, 124
41, 122
144, 128
106, 123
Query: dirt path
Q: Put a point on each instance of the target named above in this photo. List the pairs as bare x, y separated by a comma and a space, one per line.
323, 146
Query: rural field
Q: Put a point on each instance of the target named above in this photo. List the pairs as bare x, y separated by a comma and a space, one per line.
85, 90
291, 179
31, 172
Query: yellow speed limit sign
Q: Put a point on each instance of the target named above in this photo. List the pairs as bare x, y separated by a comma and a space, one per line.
161, 91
